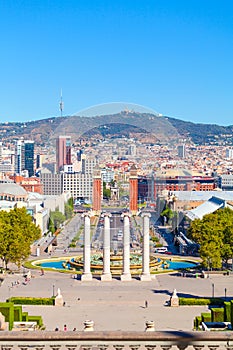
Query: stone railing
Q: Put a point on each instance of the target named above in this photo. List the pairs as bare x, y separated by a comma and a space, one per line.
43, 340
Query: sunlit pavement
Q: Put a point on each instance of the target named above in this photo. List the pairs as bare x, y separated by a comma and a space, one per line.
116, 305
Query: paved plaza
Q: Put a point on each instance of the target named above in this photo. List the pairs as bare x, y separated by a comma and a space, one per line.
116, 305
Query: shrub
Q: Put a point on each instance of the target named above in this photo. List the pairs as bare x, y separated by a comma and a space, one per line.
37, 319
25, 316
206, 317
7, 309
201, 301
197, 322
18, 313
232, 312
227, 311
217, 314
31, 301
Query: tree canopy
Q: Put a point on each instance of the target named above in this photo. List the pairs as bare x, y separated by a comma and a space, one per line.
56, 219
167, 213
17, 233
214, 233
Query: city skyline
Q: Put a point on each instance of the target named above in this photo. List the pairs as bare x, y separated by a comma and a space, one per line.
174, 58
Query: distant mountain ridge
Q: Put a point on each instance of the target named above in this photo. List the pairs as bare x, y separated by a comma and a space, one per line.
203, 133
123, 123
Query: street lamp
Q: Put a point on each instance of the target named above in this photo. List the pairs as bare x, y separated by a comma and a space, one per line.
212, 290
225, 290
53, 290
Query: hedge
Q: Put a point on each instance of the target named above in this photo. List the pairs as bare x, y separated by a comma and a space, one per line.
37, 319
206, 317
227, 311
197, 322
31, 301
7, 309
232, 312
217, 314
201, 301
13, 313
25, 316
18, 313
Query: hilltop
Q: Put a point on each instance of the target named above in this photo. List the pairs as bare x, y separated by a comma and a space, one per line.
128, 124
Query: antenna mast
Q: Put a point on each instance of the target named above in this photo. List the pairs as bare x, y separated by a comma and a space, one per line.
61, 104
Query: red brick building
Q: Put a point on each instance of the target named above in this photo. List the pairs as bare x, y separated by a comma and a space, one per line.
133, 190
97, 191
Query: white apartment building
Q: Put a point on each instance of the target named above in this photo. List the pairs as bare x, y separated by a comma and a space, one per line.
79, 185
52, 183
88, 164
226, 182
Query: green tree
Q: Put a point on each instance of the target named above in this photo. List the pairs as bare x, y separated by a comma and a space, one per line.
51, 227
57, 218
68, 211
71, 202
214, 234
167, 213
106, 191
17, 233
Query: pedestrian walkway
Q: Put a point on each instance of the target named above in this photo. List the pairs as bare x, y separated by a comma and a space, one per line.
116, 305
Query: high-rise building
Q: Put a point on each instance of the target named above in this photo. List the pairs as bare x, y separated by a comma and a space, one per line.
88, 164
24, 157
63, 152
79, 155
229, 153
19, 156
0, 152
29, 157
181, 151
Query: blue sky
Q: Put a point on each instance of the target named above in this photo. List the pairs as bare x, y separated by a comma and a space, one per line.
173, 56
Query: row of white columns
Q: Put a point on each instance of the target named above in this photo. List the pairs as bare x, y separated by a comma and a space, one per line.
126, 274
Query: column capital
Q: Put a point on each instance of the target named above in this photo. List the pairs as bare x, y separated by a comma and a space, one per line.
146, 215
86, 214
106, 215
126, 214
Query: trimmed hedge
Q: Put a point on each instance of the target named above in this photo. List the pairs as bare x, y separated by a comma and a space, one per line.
25, 316
201, 301
31, 301
217, 314
7, 309
227, 311
206, 317
37, 319
197, 322
232, 312
17, 313
13, 313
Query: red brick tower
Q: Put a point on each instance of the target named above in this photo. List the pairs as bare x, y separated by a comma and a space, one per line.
133, 190
97, 191
63, 152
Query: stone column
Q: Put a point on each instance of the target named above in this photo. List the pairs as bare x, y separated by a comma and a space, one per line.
145, 276
87, 276
106, 275
126, 276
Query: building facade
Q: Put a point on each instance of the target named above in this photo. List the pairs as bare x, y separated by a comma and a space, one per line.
24, 157
63, 152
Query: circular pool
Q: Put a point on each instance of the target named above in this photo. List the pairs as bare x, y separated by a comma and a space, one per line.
75, 264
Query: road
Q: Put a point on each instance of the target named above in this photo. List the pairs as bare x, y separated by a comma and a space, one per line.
69, 232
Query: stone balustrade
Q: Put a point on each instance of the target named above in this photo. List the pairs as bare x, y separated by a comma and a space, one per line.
44, 340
